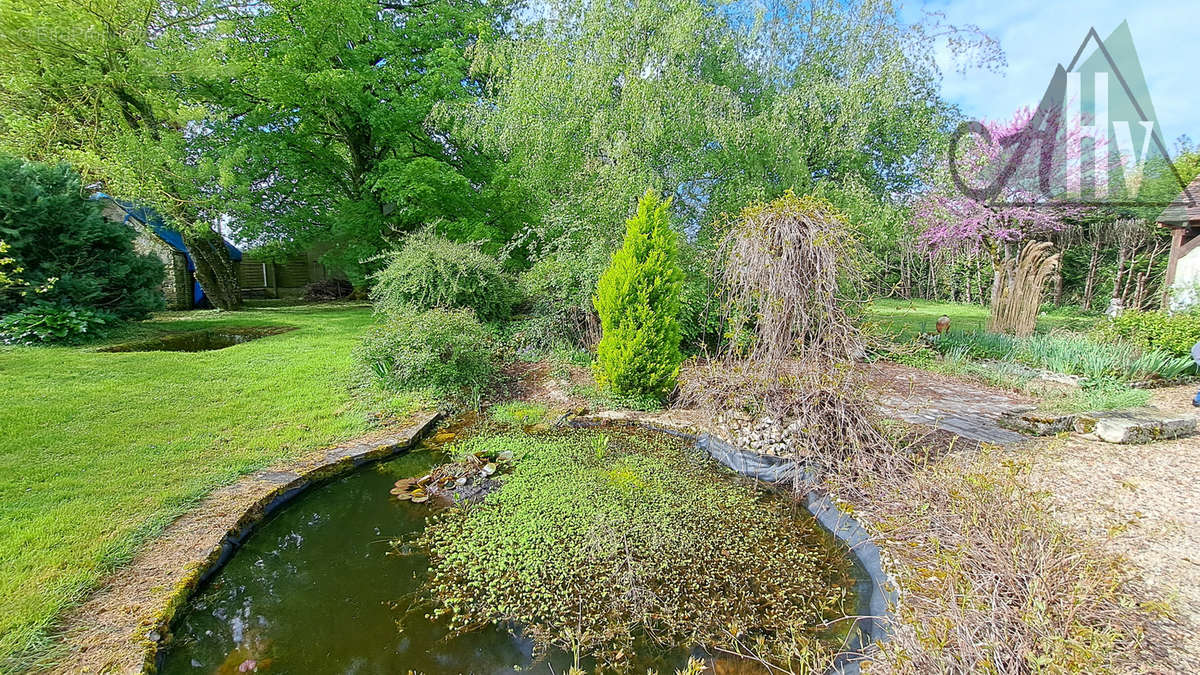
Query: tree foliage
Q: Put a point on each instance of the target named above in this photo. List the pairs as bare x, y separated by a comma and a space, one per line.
324, 138
638, 300
714, 104
711, 104
115, 90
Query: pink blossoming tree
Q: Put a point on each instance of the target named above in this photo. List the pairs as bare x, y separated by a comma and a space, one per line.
1000, 197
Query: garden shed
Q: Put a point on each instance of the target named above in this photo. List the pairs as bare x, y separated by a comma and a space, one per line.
180, 287
1183, 267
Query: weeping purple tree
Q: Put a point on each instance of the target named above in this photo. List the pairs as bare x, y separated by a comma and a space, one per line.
1001, 199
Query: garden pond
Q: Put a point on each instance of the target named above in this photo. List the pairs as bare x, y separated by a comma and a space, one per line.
322, 587
200, 340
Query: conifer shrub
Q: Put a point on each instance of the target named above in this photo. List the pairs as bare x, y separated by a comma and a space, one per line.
638, 300
63, 255
431, 271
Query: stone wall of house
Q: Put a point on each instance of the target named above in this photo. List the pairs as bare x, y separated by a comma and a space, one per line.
177, 284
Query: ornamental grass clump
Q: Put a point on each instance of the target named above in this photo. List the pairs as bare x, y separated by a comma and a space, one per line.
638, 300
609, 544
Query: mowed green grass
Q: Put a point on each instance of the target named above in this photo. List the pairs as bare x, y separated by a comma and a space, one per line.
909, 317
99, 451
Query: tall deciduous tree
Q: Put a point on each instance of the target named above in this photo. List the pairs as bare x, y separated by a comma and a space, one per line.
106, 87
324, 136
715, 104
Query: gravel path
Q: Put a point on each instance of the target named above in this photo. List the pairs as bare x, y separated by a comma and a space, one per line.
1145, 501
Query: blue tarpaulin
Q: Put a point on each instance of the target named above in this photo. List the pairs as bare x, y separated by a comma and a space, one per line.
174, 239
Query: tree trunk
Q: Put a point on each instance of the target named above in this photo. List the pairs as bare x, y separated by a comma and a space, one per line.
1144, 278
1017, 292
215, 270
1058, 286
1089, 286
979, 281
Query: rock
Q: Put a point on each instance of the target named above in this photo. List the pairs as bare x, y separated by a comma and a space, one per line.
1054, 385
1137, 425
1036, 423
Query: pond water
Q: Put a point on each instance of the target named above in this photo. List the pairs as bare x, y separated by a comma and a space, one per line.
318, 588
200, 340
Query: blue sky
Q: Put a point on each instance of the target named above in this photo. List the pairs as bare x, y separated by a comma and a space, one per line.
1036, 35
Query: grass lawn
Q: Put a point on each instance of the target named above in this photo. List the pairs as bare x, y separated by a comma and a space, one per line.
99, 451
907, 317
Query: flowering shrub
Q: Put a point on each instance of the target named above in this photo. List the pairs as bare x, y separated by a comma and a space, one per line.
986, 160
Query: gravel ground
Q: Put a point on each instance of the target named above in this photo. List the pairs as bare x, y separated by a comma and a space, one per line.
1145, 501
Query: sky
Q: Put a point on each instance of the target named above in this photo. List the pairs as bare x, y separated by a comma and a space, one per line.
1037, 35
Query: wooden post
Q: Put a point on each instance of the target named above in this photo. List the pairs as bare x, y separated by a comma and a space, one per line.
1172, 261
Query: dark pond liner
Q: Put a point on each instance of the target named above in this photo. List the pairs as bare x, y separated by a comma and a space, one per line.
206, 340
875, 591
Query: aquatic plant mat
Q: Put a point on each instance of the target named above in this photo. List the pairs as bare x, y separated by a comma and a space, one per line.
616, 545
200, 340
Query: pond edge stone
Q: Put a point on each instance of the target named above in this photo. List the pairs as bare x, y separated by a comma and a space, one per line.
277, 488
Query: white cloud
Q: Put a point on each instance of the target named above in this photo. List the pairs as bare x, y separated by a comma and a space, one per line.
1037, 35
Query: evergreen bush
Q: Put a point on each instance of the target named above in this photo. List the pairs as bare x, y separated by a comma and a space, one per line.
68, 253
433, 272
1171, 333
638, 300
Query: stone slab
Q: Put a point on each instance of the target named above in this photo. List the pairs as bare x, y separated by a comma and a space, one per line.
1136, 425
1036, 422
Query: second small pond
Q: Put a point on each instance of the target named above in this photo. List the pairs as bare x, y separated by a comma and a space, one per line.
200, 340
